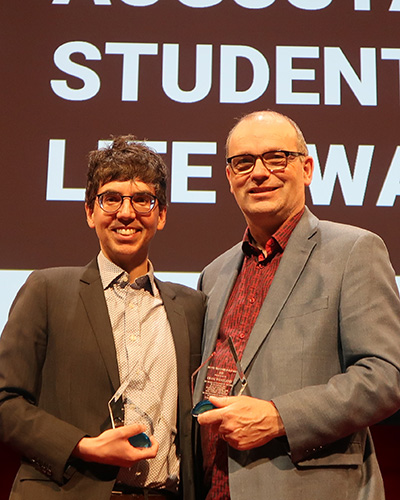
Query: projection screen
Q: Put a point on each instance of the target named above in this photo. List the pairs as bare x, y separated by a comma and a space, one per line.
177, 73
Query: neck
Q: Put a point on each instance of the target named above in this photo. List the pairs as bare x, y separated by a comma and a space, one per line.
261, 234
135, 268
263, 226
137, 271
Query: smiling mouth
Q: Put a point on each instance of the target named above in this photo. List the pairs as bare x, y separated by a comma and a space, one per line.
126, 231
262, 190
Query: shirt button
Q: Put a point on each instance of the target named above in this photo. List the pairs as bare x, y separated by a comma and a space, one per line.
252, 300
242, 336
133, 338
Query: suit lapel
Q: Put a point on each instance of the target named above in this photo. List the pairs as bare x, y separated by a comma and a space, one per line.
218, 297
294, 259
92, 295
177, 320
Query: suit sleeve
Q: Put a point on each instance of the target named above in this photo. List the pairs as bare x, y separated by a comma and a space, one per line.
368, 389
40, 437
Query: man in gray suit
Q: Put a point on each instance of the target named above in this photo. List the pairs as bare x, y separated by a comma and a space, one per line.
313, 311
77, 335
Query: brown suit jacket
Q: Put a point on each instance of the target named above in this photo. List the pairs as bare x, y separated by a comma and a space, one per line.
58, 370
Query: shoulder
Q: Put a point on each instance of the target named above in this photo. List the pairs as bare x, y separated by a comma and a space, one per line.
45, 289
62, 274
346, 230
343, 246
176, 290
346, 235
55, 273
57, 281
333, 232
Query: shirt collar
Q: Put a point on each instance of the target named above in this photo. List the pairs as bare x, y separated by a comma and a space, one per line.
277, 242
112, 274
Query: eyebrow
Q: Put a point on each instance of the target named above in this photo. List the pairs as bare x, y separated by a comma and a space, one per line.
113, 191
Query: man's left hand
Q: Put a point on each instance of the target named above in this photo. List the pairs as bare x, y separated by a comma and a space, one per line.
244, 422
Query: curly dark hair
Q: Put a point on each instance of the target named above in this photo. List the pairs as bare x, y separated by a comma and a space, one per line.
126, 159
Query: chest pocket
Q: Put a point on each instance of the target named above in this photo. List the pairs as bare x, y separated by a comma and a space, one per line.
297, 310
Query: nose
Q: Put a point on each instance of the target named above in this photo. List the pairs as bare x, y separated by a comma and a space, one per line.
260, 169
126, 211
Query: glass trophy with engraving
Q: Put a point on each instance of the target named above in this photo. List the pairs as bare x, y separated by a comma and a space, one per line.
216, 380
138, 401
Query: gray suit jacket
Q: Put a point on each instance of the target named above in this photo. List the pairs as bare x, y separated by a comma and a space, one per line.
326, 349
58, 370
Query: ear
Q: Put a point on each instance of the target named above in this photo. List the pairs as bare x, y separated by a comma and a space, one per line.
308, 169
228, 173
162, 219
89, 216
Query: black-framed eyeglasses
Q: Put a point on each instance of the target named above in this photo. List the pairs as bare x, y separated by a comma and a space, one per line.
142, 203
274, 161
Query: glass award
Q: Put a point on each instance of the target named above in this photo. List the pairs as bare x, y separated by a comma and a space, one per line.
215, 383
136, 386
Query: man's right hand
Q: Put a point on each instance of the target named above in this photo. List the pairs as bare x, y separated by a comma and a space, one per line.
113, 448
244, 422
